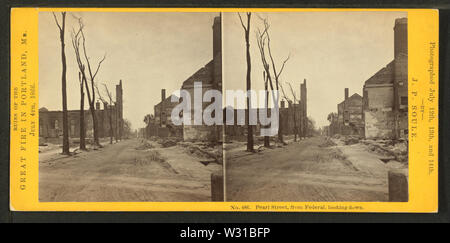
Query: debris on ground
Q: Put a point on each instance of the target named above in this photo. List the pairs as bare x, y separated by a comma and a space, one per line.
207, 162
160, 175
144, 145
349, 140
169, 142
328, 143
204, 150
155, 156
389, 149
387, 159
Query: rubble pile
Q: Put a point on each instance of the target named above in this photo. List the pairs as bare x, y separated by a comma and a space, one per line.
349, 140
144, 145
389, 148
400, 151
207, 152
327, 143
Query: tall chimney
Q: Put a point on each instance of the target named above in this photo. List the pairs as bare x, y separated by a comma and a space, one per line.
282, 104
303, 95
97, 105
401, 36
346, 93
217, 53
163, 94
217, 35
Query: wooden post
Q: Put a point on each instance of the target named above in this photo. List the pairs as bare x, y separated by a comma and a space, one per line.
398, 185
217, 187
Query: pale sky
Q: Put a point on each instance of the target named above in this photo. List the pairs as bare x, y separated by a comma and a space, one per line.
148, 51
332, 50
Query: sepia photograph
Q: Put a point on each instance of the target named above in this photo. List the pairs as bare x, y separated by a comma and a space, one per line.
336, 85
109, 85
313, 106
223, 113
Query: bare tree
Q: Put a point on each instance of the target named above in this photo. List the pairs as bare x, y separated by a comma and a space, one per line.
263, 40
109, 110
266, 104
82, 127
249, 68
267, 77
296, 119
62, 29
79, 41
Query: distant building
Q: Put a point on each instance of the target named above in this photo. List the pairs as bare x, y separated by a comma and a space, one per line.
386, 92
350, 115
161, 124
382, 112
50, 122
294, 118
349, 118
210, 77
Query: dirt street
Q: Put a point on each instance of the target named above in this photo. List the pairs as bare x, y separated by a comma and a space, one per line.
125, 171
305, 171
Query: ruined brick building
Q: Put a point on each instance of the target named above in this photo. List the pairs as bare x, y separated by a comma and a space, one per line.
350, 115
382, 112
51, 122
210, 77
349, 118
385, 94
294, 118
303, 105
160, 124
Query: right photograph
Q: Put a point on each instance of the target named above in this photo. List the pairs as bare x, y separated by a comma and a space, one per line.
325, 115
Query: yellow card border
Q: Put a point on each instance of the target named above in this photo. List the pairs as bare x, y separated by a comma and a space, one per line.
423, 29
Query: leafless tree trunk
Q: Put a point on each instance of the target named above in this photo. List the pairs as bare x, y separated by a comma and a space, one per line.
77, 39
82, 128
296, 128
266, 88
249, 68
117, 124
263, 40
62, 28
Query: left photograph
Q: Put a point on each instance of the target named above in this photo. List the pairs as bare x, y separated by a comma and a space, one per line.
113, 87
